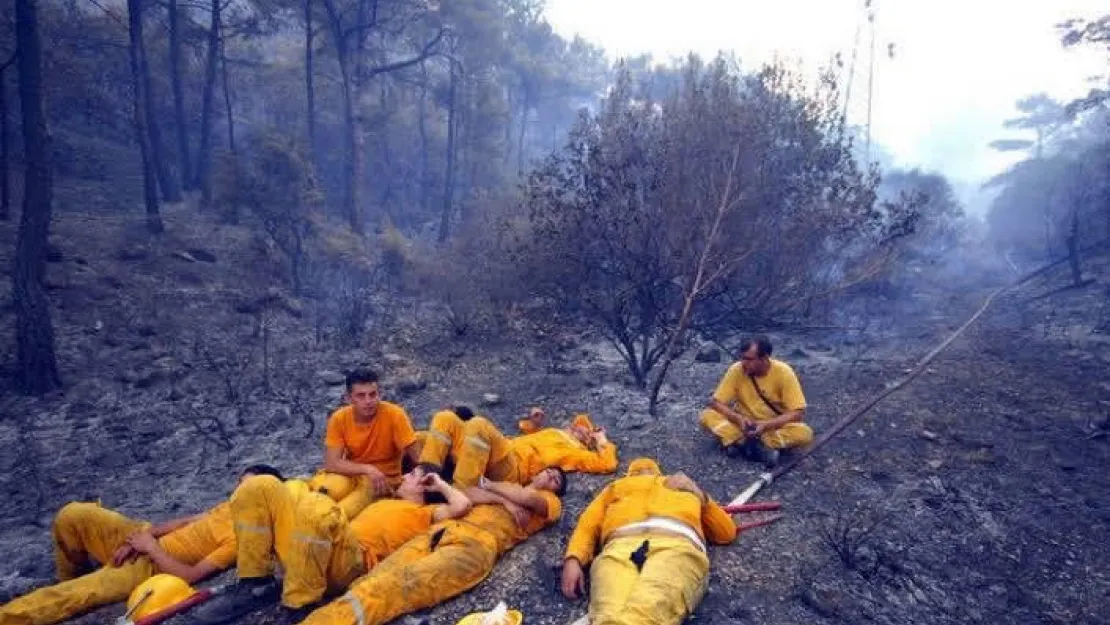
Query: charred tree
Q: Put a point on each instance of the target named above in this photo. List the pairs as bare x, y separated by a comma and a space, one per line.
5, 146
142, 122
37, 366
208, 103
449, 172
167, 182
176, 81
309, 86
227, 99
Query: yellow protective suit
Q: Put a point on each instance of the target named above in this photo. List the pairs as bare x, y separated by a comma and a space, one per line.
307, 531
449, 559
486, 451
84, 531
443, 440
669, 581
780, 386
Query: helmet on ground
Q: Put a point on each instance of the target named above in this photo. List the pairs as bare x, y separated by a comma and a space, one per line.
497, 616
156, 594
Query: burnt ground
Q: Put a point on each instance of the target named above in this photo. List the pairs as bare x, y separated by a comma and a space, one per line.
976, 494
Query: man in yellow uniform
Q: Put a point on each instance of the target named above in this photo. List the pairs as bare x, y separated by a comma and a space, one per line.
480, 449
451, 557
129, 552
363, 446
758, 407
652, 531
319, 552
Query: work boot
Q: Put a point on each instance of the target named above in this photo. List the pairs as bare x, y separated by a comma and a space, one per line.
246, 596
768, 456
735, 450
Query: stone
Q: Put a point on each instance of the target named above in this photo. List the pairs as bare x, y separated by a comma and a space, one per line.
490, 399
331, 378
133, 253
411, 383
708, 353
929, 436
202, 255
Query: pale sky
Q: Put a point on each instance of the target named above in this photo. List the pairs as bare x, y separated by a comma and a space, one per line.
958, 66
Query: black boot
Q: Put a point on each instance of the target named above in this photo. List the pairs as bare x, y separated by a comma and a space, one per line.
246, 596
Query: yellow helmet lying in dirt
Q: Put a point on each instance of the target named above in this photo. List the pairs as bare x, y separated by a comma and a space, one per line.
497, 616
156, 594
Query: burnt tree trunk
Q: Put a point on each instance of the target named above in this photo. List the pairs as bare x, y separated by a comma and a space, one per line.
449, 172
181, 128
142, 134
1073, 251
422, 127
309, 86
171, 191
208, 103
5, 147
227, 100
37, 366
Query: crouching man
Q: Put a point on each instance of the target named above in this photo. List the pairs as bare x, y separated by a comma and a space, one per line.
651, 531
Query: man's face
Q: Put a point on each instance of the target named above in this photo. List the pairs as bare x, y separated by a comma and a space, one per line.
753, 363
548, 479
364, 397
411, 483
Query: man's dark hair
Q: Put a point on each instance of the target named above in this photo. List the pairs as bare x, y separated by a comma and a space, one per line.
434, 497
263, 469
562, 490
464, 413
361, 376
762, 343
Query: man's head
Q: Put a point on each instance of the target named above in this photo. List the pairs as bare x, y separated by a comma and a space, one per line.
260, 469
755, 355
551, 479
643, 466
363, 393
464, 413
584, 434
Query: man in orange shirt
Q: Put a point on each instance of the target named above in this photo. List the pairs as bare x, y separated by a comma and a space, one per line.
363, 446
320, 553
452, 556
129, 552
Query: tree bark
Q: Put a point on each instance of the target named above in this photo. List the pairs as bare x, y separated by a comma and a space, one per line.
171, 191
449, 172
208, 103
1073, 251
310, 88
180, 126
142, 133
422, 127
5, 149
38, 368
227, 100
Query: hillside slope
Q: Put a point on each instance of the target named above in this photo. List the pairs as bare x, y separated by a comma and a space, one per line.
976, 495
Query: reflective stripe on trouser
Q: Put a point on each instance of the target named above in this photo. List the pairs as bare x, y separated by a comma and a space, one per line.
308, 533
413, 578
443, 438
667, 589
485, 451
353, 493
82, 531
786, 437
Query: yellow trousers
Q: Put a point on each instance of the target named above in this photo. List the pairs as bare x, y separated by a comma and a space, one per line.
667, 589
788, 436
418, 575
82, 531
352, 494
485, 451
443, 440
317, 551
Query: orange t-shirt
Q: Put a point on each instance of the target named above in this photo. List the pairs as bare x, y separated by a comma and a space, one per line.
387, 524
381, 442
210, 538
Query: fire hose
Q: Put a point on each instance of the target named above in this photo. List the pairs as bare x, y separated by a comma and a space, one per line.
765, 479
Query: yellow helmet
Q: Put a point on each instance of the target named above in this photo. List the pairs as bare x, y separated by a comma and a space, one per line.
496, 616
336, 486
156, 594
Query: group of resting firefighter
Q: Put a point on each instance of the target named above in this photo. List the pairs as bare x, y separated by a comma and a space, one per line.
383, 543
